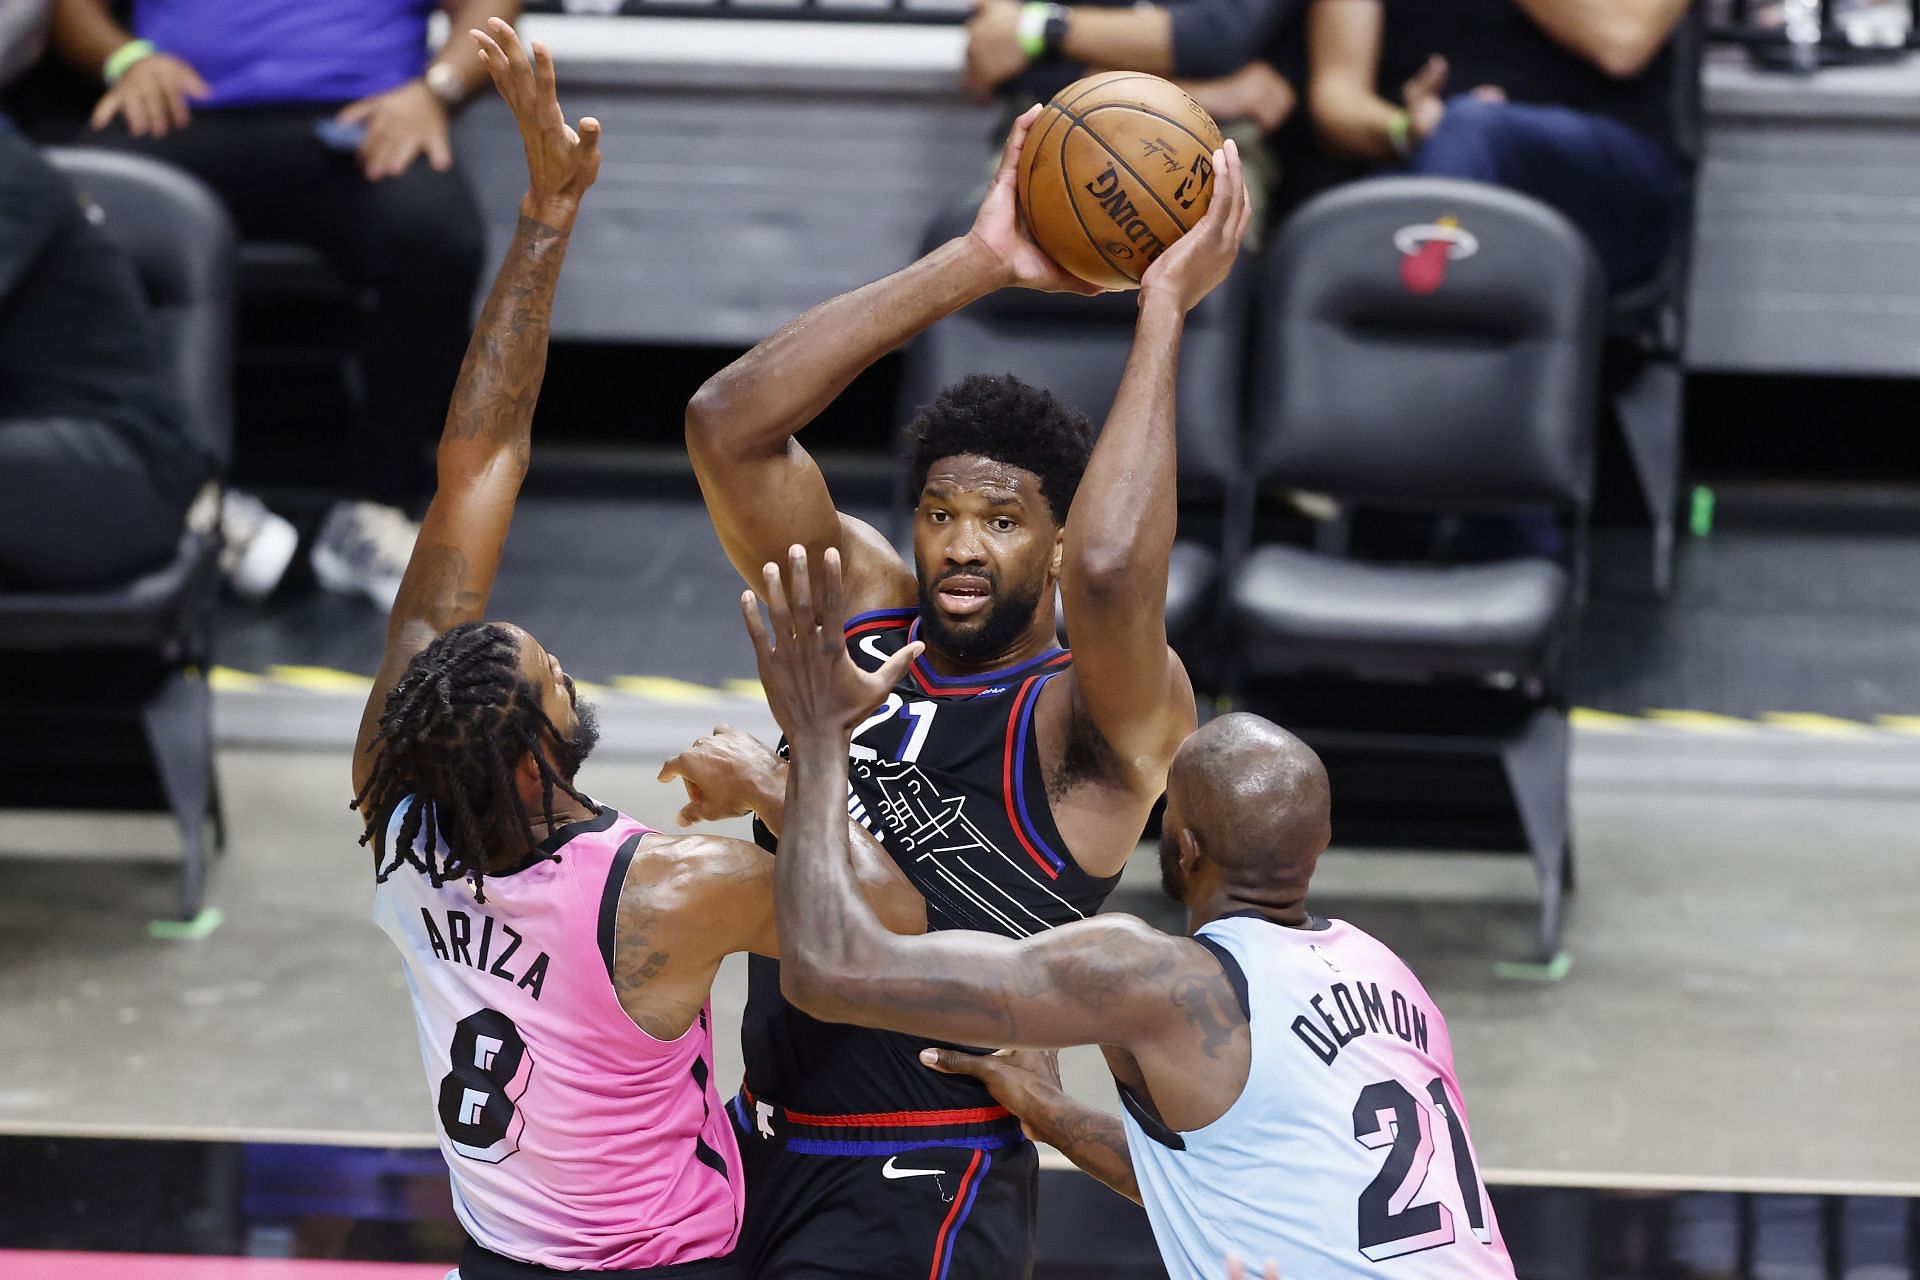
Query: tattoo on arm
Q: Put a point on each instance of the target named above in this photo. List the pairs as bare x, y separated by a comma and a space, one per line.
506, 361
1210, 1009
1097, 1145
436, 590
636, 963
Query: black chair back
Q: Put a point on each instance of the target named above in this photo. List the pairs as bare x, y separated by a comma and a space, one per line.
182, 244
1429, 343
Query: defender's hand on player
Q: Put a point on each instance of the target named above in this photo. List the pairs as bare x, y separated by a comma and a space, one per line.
728, 774
1024, 1081
999, 229
1198, 261
561, 162
812, 684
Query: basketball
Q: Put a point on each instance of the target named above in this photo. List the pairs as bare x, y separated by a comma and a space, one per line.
1116, 168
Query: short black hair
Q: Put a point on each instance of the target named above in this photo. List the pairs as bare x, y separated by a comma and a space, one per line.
1009, 421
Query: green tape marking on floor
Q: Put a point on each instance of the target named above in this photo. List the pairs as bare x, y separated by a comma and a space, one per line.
1552, 971
1701, 517
201, 926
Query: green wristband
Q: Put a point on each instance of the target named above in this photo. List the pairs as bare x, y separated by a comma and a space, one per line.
1400, 134
124, 57
1032, 29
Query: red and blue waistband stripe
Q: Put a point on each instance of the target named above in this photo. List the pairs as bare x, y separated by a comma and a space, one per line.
1013, 778
957, 1216
885, 1133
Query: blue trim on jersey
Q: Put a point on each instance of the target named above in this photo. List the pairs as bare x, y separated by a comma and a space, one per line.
933, 677
1020, 776
871, 614
823, 1147
986, 1163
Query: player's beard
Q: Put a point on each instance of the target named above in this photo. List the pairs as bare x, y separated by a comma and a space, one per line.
585, 738
1005, 618
1173, 881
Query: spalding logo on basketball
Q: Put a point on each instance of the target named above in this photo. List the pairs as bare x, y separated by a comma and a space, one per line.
1116, 168
1427, 248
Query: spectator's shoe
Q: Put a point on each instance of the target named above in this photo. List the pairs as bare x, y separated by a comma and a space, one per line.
257, 545
363, 549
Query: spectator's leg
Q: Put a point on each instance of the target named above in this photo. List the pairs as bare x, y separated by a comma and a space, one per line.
267, 167
416, 242
80, 509
1619, 187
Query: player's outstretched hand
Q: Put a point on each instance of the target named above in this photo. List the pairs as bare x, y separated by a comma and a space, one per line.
562, 162
815, 689
728, 773
1236, 1271
1195, 264
1000, 229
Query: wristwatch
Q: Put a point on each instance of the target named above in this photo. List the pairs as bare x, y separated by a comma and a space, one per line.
445, 84
1054, 34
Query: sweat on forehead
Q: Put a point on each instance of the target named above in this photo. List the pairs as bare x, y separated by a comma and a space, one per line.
971, 473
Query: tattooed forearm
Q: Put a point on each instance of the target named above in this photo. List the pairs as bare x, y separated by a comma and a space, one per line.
507, 359
1093, 1140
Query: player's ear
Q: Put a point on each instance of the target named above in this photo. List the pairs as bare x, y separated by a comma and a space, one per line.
1059, 550
1189, 851
526, 774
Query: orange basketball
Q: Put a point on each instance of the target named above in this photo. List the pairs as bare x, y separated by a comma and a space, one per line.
1116, 168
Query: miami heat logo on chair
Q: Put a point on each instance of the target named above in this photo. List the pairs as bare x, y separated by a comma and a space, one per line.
1427, 248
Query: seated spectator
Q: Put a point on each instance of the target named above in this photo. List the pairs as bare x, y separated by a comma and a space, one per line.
1565, 100
323, 122
1240, 59
96, 469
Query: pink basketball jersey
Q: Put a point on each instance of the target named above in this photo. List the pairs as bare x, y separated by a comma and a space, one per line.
575, 1140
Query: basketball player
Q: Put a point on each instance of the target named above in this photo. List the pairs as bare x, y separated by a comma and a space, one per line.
559, 955
1288, 1084
1009, 778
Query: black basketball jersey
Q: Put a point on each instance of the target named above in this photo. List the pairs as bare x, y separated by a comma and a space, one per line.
946, 775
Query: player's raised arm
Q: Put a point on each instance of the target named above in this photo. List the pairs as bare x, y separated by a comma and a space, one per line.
1119, 532
485, 444
761, 487
1110, 980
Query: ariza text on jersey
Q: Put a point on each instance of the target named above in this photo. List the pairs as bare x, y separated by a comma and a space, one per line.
1358, 1009
492, 949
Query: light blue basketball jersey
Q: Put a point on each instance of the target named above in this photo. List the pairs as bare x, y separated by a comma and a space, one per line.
1347, 1153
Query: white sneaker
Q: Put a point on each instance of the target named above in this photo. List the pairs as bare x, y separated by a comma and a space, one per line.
363, 549
257, 545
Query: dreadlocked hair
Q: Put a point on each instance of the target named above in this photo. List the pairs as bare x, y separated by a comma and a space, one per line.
451, 734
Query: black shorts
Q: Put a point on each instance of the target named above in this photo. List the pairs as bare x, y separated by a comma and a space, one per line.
923, 1213
483, 1264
